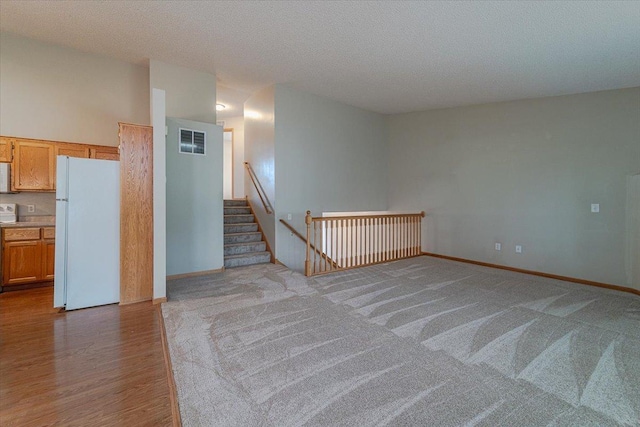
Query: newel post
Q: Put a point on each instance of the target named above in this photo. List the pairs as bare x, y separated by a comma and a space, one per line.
307, 261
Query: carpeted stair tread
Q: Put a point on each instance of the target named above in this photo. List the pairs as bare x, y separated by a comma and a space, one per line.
247, 259
237, 210
251, 236
243, 248
238, 219
236, 202
240, 228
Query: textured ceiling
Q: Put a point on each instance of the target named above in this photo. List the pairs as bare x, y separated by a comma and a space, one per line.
389, 57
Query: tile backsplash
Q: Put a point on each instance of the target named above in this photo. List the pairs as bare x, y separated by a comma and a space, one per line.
45, 203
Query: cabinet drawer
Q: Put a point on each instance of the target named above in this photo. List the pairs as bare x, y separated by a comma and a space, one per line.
12, 234
49, 233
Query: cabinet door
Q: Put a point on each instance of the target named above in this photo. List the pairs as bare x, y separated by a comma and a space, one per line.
105, 153
33, 166
72, 150
22, 262
6, 152
48, 258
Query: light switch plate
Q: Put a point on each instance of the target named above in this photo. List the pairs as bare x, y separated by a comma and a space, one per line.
595, 207
518, 249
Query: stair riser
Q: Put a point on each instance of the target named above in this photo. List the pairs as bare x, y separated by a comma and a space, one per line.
235, 203
242, 238
236, 228
245, 248
238, 219
237, 211
238, 262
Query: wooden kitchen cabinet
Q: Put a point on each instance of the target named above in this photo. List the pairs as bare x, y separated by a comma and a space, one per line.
22, 262
104, 153
28, 255
33, 166
73, 150
48, 259
6, 149
34, 161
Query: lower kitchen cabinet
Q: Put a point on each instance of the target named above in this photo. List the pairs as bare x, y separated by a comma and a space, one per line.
27, 256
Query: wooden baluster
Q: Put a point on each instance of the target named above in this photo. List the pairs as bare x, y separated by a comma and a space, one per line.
307, 266
401, 235
381, 239
405, 230
341, 243
371, 240
351, 241
334, 243
358, 243
325, 236
396, 244
359, 248
385, 240
413, 236
366, 240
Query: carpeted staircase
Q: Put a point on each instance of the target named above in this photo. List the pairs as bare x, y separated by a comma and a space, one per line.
243, 242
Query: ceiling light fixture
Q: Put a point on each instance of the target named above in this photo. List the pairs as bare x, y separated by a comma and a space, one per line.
220, 107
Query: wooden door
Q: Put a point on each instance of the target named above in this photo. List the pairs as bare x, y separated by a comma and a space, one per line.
136, 213
33, 166
6, 152
21, 262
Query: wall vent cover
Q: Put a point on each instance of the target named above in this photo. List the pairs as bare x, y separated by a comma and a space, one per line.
192, 141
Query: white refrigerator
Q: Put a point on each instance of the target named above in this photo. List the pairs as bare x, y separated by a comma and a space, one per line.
87, 257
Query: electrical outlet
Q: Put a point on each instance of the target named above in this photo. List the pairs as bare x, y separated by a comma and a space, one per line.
31, 208
498, 246
518, 249
289, 217
595, 207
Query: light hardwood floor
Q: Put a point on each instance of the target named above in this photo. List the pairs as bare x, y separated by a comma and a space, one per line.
98, 366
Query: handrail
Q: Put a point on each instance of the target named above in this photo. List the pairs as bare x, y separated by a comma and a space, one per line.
358, 240
256, 183
301, 237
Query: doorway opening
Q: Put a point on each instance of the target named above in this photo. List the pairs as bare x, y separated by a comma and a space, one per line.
227, 165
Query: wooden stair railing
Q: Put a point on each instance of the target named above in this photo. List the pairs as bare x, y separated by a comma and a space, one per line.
344, 242
301, 237
261, 193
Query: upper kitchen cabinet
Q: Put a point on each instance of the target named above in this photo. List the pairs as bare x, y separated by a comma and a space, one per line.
33, 166
73, 150
6, 152
104, 153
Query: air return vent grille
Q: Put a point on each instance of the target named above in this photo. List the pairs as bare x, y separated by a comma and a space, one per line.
192, 141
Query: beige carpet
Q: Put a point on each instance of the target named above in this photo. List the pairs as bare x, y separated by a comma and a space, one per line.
418, 342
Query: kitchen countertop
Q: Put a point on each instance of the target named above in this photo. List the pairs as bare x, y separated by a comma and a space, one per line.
23, 224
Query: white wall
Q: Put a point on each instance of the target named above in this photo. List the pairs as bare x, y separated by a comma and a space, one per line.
329, 157
190, 94
158, 120
194, 202
259, 151
526, 173
56, 93
239, 173
227, 155
193, 191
